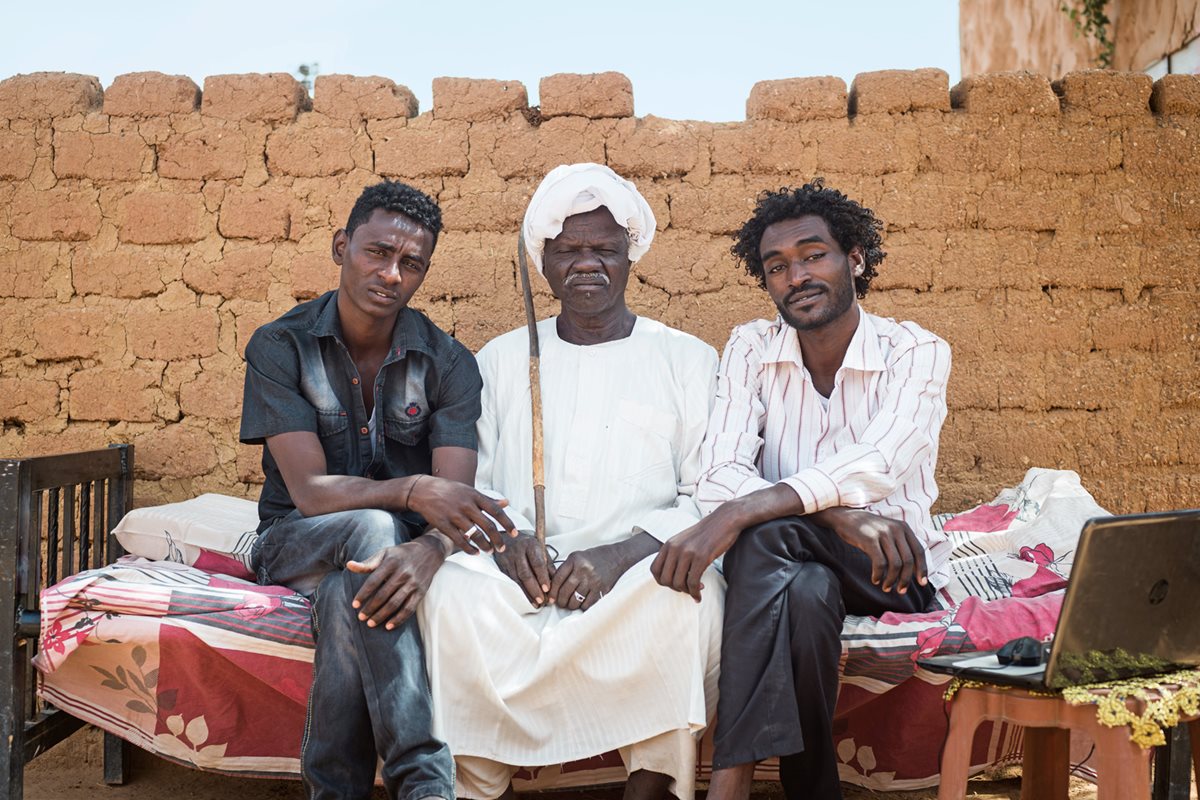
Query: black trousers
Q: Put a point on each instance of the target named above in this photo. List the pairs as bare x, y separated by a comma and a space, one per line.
790, 585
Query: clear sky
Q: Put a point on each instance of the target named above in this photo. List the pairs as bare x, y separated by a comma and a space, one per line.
687, 60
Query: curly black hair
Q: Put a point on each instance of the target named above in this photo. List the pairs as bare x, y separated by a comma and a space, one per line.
851, 224
399, 198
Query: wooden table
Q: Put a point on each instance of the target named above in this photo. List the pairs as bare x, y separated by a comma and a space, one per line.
1122, 765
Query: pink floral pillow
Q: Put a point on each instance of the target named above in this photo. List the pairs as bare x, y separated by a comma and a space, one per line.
212, 532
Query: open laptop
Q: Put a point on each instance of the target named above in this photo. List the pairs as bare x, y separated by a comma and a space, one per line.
1131, 608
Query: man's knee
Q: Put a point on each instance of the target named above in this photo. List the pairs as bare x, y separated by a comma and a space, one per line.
815, 593
759, 549
481, 778
371, 530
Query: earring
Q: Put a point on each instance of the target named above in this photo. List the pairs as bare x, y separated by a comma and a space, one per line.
860, 269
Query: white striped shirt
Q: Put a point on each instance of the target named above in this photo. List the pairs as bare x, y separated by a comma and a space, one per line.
874, 447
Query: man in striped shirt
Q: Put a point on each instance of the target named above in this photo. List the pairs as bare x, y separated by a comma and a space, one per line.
817, 477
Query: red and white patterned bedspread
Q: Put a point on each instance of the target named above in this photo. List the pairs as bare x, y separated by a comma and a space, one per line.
213, 671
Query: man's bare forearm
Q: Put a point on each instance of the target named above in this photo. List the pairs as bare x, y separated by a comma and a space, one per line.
761, 506
634, 549
327, 494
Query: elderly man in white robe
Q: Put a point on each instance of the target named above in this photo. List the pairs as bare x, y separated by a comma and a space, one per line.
536, 662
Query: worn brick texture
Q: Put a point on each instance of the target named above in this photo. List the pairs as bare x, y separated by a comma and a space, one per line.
1050, 232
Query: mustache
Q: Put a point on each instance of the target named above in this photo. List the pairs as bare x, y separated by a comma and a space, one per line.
574, 276
805, 289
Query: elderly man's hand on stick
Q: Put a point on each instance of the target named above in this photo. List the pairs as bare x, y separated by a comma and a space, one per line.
524, 560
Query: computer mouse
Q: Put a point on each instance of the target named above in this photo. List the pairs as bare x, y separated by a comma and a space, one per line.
1023, 652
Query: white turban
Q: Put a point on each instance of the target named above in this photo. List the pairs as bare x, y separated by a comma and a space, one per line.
577, 189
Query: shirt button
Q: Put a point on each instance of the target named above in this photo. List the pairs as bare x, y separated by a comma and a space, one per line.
364, 430
354, 381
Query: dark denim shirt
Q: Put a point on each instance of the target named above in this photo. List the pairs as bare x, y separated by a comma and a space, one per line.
299, 378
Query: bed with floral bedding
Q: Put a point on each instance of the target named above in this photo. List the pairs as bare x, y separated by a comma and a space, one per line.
185, 657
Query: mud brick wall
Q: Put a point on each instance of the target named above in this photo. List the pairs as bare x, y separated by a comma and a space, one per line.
1051, 233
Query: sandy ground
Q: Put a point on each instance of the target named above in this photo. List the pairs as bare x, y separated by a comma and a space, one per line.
72, 771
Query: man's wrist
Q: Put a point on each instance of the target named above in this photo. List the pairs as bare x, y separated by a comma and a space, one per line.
760, 506
739, 513
440, 542
634, 549
408, 494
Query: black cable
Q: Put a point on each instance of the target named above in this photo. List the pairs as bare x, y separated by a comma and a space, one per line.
1086, 759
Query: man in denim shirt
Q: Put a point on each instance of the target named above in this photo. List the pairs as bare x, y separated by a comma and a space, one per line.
368, 414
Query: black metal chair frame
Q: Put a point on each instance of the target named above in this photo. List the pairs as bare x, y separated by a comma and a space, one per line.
56, 518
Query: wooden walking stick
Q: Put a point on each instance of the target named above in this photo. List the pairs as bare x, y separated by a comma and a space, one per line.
535, 397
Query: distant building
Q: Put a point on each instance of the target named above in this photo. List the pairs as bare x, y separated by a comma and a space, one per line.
1153, 36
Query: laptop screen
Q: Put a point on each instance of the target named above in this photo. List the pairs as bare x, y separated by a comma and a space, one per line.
1130, 606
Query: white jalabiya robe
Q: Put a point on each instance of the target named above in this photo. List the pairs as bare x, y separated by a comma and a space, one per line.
623, 426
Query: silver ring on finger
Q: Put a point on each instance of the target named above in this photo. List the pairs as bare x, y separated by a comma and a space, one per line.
579, 597
471, 531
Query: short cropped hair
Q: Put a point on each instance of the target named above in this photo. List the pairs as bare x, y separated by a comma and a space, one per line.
399, 198
850, 223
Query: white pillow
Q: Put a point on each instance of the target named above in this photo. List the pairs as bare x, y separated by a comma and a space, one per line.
212, 532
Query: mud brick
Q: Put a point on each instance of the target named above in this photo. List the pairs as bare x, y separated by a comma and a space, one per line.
216, 150
151, 94
423, 147
650, 147
173, 335
603, 94
67, 333
474, 100
264, 215
215, 393
161, 218
770, 147
309, 152
127, 394
524, 151
1176, 94
1105, 93
17, 155
105, 157
798, 99
1005, 93
175, 451
34, 270
59, 214
897, 91
49, 95
128, 272
272, 97
27, 400
351, 98
240, 272
719, 207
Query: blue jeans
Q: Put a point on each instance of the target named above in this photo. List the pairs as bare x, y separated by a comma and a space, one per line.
370, 694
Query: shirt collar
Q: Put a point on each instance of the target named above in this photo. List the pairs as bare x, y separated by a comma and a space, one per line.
406, 334
863, 354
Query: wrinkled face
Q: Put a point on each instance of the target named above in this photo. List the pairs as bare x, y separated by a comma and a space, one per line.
587, 265
383, 263
806, 273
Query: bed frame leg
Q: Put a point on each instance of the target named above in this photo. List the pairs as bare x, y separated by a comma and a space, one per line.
116, 760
